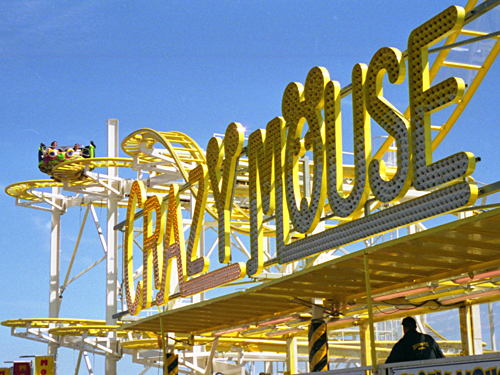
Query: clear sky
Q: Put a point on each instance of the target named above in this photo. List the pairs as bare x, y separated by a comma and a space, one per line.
191, 66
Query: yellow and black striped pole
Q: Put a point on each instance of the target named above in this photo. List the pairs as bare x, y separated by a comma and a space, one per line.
171, 364
318, 346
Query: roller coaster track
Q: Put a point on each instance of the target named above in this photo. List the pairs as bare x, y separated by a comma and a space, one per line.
24, 189
45, 322
74, 171
181, 152
70, 172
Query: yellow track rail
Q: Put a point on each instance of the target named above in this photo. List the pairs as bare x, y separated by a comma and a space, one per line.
23, 189
181, 151
96, 330
44, 322
72, 171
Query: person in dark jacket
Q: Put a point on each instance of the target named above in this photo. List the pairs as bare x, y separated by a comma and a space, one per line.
414, 346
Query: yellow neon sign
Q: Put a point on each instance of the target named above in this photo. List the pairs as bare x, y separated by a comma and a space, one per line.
274, 161
160, 251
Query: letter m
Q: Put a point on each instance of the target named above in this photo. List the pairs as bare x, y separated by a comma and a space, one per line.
266, 157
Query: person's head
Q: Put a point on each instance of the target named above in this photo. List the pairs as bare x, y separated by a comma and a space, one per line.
408, 324
54, 144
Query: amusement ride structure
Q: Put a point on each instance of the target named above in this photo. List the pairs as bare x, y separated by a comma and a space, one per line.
355, 294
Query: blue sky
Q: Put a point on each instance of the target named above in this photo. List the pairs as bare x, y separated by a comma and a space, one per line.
192, 66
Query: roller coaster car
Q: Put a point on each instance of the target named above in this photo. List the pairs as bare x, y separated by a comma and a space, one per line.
48, 156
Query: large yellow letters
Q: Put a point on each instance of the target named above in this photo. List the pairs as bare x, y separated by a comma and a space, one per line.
274, 167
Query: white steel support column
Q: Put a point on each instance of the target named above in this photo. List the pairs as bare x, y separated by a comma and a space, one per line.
477, 337
492, 327
89, 365
112, 248
55, 248
268, 367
